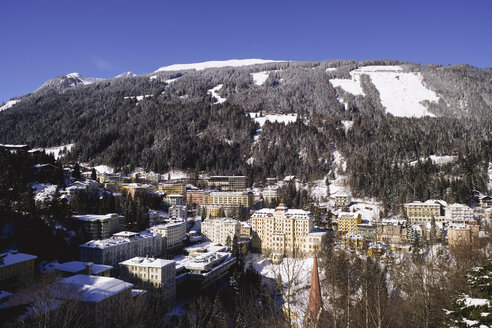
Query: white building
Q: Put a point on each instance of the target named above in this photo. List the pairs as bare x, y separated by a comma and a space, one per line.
270, 193
154, 273
458, 213
219, 230
283, 231
178, 211
120, 247
173, 234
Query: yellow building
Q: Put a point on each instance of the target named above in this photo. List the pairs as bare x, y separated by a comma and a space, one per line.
212, 211
392, 233
463, 235
347, 222
16, 268
283, 231
228, 199
172, 188
420, 213
353, 240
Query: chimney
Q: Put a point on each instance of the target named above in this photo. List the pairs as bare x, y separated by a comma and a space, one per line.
88, 268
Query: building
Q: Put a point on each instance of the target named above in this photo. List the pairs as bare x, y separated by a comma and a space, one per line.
148, 272
485, 201
121, 247
172, 188
178, 211
100, 226
347, 222
137, 189
221, 229
100, 297
463, 235
271, 194
353, 240
392, 233
458, 213
342, 200
194, 197
420, 213
283, 231
227, 183
173, 233
16, 269
213, 211
174, 199
315, 301
77, 267
369, 231
228, 199
245, 229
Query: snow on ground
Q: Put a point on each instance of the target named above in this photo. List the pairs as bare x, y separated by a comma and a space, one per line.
9, 104
260, 77
347, 125
401, 92
331, 69
84, 80
55, 151
214, 94
468, 301
104, 169
215, 64
489, 185
43, 192
319, 190
368, 209
172, 80
295, 273
339, 185
280, 118
438, 160
138, 98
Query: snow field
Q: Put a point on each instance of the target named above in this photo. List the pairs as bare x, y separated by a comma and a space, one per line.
215, 64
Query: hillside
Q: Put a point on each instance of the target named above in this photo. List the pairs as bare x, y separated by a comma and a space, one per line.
266, 118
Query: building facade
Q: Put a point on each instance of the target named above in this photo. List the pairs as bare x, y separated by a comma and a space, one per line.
147, 272
342, 200
392, 233
172, 188
120, 247
420, 213
16, 268
100, 226
220, 229
347, 222
228, 199
458, 213
284, 231
463, 235
178, 211
173, 234
227, 183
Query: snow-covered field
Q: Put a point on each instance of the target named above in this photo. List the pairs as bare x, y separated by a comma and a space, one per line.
296, 272
439, 160
214, 94
260, 77
347, 125
215, 64
401, 92
339, 185
84, 80
9, 104
489, 185
175, 174
104, 169
55, 151
280, 118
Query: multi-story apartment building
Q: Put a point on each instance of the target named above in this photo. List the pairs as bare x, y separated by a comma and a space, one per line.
228, 199
147, 272
137, 189
227, 183
392, 233
16, 268
245, 229
173, 234
342, 200
174, 199
463, 235
367, 230
458, 213
194, 197
221, 229
100, 226
347, 222
284, 231
178, 211
120, 247
420, 213
212, 211
271, 193
172, 188
353, 240
100, 297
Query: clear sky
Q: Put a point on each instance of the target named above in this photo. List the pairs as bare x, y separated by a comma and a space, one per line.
41, 39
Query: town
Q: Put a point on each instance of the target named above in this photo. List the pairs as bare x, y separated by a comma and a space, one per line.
182, 235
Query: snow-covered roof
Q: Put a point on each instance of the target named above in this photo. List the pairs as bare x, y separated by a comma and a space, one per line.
14, 257
78, 266
93, 217
119, 238
148, 262
95, 289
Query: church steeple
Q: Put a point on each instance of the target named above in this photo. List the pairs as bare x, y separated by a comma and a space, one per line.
315, 304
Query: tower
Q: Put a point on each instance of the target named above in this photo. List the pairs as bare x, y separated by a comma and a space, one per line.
315, 303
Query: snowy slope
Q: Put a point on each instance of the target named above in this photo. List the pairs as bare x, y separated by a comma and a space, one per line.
83, 80
215, 64
55, 151
213, 93
489, 185
9, 104
439, 160
260, 77
280, 118
126, 74
401, 92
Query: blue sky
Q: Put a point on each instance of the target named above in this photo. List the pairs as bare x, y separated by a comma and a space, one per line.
43, 39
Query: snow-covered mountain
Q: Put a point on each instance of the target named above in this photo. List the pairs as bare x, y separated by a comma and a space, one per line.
60, 83
216, 64
126, 74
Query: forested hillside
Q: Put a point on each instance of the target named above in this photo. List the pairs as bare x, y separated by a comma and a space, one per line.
169, 120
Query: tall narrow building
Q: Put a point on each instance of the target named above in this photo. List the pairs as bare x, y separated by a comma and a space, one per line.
315, 304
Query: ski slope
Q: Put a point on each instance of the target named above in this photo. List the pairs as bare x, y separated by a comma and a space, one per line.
402, 93
215, 64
